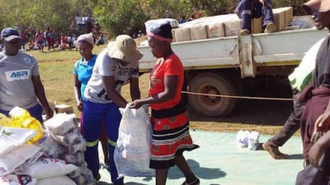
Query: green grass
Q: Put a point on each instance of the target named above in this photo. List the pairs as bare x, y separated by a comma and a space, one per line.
58, 55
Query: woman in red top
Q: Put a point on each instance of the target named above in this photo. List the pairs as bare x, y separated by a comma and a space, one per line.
169, 114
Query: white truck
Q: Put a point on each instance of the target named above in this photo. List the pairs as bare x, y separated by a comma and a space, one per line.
216, 66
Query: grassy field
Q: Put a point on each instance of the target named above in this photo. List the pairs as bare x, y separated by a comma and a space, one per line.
58, 55
57, 76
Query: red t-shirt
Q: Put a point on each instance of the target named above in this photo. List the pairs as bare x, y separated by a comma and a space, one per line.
172, 66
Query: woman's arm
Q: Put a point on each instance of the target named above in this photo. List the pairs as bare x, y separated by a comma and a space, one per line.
135, 89
171, 83
110, 88
77, 92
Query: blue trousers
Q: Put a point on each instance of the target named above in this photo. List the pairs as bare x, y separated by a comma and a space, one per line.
92, 115
35, 111
244, 8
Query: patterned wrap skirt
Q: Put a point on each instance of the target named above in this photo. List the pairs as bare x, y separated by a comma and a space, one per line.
170, 136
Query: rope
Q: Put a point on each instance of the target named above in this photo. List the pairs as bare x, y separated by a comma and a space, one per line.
237, 97
212, 95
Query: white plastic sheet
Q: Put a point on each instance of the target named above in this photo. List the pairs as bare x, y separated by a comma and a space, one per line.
132, 153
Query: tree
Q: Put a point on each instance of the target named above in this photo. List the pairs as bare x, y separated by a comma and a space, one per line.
120, 16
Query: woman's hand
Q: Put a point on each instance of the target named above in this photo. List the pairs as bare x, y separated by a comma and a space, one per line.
136, 104
49, 113
322, 124
80, 106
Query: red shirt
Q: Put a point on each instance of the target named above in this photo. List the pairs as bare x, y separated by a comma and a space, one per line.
172, 66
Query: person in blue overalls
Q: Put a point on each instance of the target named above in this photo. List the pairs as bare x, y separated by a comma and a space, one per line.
114, 66
248, 9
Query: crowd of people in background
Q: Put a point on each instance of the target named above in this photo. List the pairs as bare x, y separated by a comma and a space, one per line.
59, 41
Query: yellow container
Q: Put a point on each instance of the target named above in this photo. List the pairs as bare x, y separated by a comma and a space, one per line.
21, 118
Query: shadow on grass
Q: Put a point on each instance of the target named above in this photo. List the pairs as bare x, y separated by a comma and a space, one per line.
200, 171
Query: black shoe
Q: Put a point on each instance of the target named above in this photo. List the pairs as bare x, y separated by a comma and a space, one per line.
195, 182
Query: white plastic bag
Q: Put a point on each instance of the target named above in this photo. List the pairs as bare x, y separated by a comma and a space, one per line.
47, 168
49, 146
77, 147
253, 140
82, 170
242, 138
10, 161
132, 153
17, 180
11, 138
61, 180
61, 124
72, 137
86, 178
76, 159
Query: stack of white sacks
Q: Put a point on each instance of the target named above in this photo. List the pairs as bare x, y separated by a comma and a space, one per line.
22, 163
64, 130
57, 158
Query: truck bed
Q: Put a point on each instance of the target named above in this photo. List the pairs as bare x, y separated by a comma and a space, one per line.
275, 49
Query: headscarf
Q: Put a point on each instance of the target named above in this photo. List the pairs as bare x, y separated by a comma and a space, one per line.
162, 33
86, 37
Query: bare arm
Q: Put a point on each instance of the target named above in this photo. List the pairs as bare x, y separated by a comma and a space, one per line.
171, 83
77, 92
134, 89
110, 88
322, 124
40, 93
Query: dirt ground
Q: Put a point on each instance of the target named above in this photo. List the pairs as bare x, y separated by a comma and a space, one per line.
266, 117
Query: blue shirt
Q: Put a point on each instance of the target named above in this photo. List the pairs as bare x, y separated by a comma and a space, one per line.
84, 72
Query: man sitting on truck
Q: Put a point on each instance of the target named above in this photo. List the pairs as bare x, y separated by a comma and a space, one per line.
248, 9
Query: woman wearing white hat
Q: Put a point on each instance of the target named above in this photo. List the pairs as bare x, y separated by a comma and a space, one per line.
114, 66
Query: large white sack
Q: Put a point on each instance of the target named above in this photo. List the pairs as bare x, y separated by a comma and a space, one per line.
62, 180
132, 153
49, 146
17, 180
72, 137
10, 161
11, 138
61, 123
156, 23
47, 168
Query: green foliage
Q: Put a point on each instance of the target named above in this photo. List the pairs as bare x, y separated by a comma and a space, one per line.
118, 16
115, 16
33, 15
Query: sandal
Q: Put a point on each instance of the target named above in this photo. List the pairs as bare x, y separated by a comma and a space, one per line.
195, 182
273, 151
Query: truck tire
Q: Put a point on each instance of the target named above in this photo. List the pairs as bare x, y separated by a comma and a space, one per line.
211, 83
